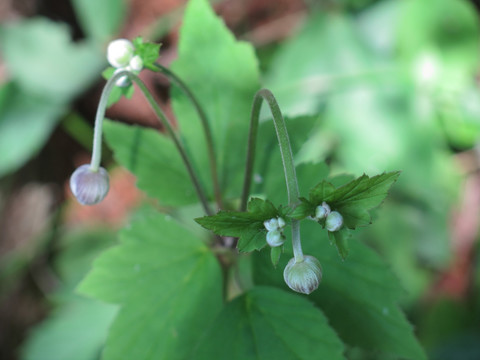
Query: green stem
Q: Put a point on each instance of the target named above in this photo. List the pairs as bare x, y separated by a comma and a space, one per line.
206, 129
161, 116
287, 160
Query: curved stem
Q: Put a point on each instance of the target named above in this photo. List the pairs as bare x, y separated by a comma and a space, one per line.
287, 160
162, 118
206, 129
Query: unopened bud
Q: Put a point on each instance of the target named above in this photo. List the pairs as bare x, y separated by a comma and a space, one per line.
120, 52
334, 221
123, 81
89, 187
304, 276
136, 63
271, 224
281, 223
275, 238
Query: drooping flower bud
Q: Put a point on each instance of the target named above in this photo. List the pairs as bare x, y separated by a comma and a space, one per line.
120, 52
89, 187
123, 81
334, 221
275, 238
304, 276
271, 224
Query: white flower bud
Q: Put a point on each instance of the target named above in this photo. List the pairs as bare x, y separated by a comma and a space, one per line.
305, 276
89, 187
275, 238
136, 63
123, 81
271, 224
281, 223
120, 52
320, 212
334, 221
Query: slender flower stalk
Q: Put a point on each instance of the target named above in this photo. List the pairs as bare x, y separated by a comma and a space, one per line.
206, 128
287, 160
97, 142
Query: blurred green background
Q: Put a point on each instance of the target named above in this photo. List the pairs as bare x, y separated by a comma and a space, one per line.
395, 84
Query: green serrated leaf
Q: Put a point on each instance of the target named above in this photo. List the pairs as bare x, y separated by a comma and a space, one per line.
149, 52
340, 239
320, 192
275, 254
303, 210
155, 273
223, 75
267, 323
153, 158
359, 295
247, 226
76, 332
354, 199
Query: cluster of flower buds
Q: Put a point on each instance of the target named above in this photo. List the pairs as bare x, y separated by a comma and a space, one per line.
121, 55
333, 219
275, 235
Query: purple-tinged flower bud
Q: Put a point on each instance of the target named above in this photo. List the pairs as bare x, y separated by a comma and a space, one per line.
304, 276
89, 187
334, 221
275, 238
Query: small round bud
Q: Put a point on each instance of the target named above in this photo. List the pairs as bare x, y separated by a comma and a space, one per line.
271, 224
281, 223
123, 81
320, 212
275, 238
89, 187
334, 221
305, 276
120, 52
136, 63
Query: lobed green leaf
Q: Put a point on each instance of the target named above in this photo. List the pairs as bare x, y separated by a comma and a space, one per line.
268, 323
169, 287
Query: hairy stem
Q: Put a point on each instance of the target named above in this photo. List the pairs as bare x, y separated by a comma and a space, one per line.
95, 163
287, 160
206, 129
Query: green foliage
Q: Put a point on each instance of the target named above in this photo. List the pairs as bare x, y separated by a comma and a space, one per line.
153, 159
247, 226
267, 323
78, 327
42, 59
359, 296
148, 51
100, 20
33, 117
155, 273
76, 332
223, 75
